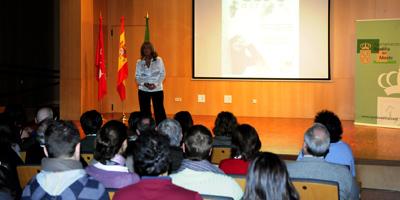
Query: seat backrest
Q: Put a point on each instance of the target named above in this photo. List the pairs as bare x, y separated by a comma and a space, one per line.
313, 189
26, 172
22, 155
240, 179
88, 157
220, 153
214, 197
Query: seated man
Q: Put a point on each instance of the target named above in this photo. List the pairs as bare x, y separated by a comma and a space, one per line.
313, 165
151, 155
62, 175
197, 173
172, 129
91, 122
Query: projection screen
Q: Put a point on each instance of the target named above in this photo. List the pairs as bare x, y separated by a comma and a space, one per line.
261, 39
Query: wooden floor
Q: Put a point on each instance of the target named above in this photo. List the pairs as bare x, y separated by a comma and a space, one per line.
285, 136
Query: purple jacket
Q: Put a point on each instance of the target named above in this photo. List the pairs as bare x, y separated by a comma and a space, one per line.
112, 176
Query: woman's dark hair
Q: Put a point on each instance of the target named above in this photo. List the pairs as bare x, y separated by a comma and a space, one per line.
134, 118
91, 122
332, 122
268, 178
154, 54
225, 124
109, 140
185, 120
246, 139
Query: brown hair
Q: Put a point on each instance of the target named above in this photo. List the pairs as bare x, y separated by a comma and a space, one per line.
154, 54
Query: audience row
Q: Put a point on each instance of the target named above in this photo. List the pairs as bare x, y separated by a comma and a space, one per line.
170, 160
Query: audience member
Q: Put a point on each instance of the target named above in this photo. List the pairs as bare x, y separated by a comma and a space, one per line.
268, 178
145, 123
225, 125
197, 173
313, 165
9, 160
7, 192
133, 120
339, 151
151, 155
247, 147
110, 167
91, 122
33, 144
62, 175
172, 129
185, 120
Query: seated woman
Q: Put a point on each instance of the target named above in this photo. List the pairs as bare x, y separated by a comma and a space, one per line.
110, 146
224, 126
339, 151
247, 147
268, 178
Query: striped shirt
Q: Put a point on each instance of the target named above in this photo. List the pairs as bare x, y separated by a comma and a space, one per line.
202, 166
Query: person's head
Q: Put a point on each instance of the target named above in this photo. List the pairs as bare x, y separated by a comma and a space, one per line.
247, 142
316, 140
43, 114
225, 124
172, 129
332, 122
151, 154
62, 140
145, 123
91, 122
268, 178
197, 143
110, 141
147, 50
134, 118
6, 135
185, 120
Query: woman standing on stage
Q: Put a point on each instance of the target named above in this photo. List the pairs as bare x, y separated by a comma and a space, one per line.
150, 74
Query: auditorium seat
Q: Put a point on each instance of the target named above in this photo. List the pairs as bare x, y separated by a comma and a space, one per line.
22, 155
240, 179
314, 189
26, 172
88, 157
220, 153
214, 197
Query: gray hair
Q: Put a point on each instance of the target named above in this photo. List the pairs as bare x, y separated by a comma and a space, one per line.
172, 129
317, 140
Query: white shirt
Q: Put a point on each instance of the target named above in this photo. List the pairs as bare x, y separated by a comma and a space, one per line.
154, 74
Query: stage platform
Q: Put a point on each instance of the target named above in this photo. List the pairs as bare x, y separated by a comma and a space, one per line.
284, 136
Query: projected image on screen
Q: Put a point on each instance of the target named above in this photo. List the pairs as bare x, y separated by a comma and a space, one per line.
272, 39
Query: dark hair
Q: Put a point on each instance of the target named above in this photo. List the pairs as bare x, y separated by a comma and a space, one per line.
225, 124
151, 154
109, 140
332, 122
61, 138
247, 142
185, 120
134, 118
6, 135
154, 54
146, 123
91, 122
198, 142
268, 178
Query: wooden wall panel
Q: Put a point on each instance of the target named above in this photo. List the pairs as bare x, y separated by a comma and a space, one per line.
70, 63
171, 32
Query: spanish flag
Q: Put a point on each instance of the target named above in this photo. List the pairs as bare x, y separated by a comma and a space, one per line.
122, 62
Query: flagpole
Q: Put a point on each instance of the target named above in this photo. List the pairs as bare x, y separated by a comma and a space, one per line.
124, 118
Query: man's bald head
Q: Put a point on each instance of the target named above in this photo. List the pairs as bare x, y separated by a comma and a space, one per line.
317, 140
44, 113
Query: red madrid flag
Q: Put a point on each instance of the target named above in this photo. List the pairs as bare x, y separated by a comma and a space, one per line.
122, 62
100, 65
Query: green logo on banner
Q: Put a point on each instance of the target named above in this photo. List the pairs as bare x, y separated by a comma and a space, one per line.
368, 44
